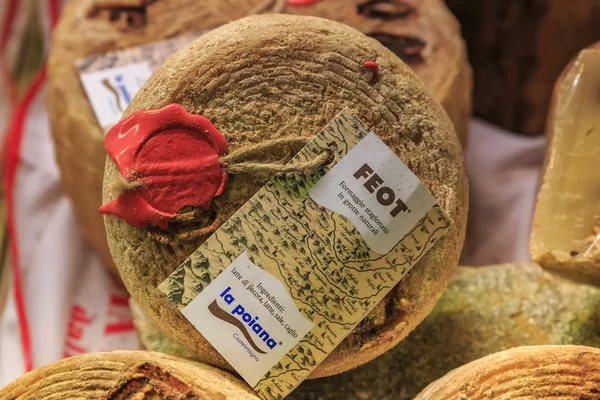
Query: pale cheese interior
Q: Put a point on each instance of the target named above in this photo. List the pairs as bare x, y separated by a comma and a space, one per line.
567, 213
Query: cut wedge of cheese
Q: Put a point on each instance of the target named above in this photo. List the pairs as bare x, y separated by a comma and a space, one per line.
566, 227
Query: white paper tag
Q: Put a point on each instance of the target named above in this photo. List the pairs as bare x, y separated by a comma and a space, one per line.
110, 90
374, 189
249, 317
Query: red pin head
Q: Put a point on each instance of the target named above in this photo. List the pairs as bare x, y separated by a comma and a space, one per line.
372, 66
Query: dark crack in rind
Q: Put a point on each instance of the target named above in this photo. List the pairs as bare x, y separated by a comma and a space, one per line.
409, 49
134, 16
385, 9
149, 381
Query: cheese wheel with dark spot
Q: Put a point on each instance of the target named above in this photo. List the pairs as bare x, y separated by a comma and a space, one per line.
124, 375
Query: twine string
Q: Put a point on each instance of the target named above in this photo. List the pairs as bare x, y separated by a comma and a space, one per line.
235, 162
122, 184
258, 149
277, 168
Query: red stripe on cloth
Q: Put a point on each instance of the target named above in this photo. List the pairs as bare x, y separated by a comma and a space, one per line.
54, 8
119, 328
13, 149
117, 300
14, 138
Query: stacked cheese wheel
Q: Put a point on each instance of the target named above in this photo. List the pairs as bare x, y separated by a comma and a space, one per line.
281, 76
127, 375
424, 34
534, 372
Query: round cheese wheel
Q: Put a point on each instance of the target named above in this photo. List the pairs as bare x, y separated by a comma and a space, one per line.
282, 76
127, 375
535, 372
423, 33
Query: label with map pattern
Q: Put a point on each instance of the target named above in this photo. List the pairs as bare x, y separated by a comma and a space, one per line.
296, 268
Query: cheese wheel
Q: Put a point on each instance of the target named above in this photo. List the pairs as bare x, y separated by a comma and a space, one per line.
121, 375
565, 234
518, 49
535, 372
485, 310
305, 70
423, 33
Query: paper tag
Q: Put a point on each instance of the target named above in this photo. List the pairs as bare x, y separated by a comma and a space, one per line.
112, 79
252, 307
325, 261
110, 91
380, 195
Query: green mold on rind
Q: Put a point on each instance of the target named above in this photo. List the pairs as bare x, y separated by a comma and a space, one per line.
484, 310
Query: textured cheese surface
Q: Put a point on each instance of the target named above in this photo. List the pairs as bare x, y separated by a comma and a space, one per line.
528, 373
567, 215
123, 375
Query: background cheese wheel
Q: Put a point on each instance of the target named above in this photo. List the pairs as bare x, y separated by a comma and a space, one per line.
127, 375
518, 49
535, 372
483, 311
296, 101
423, 33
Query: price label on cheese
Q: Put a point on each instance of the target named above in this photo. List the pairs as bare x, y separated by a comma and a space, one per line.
297, 267
110, 90
112, 79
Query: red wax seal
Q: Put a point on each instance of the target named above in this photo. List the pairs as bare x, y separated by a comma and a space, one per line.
174, 155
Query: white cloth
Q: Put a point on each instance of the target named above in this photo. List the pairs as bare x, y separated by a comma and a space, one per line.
504, 170
72, 305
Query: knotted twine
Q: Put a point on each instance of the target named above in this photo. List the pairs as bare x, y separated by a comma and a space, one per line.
234, 162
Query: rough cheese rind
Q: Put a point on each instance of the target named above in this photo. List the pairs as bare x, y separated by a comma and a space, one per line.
122, 375
484, 310
530, 372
